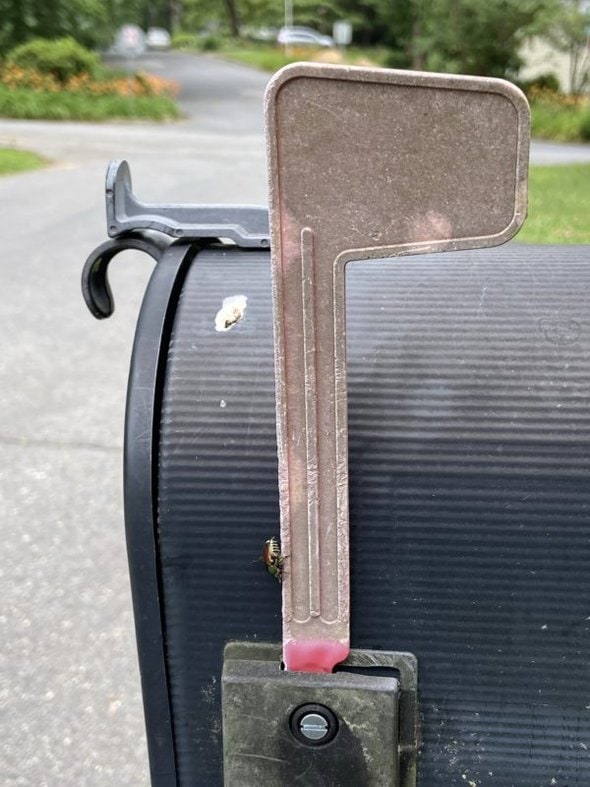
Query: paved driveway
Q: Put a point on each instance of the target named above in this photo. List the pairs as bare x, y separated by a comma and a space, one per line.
69, 694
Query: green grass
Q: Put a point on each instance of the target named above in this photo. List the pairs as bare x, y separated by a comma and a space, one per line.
559, 205
270, 57
29, 104
267, 59
13, 161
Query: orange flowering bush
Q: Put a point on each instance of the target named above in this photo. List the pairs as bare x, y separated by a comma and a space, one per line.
39, 93
15, 77
553, 98
133, 86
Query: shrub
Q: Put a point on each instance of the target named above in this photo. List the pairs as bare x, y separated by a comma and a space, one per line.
31, 94
15, 77
62, 58
185, 41
138, 84
545, 82
203, 43
395, 58
566, 118
210, 43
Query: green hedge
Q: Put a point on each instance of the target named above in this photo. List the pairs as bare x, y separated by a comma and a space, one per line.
64, 58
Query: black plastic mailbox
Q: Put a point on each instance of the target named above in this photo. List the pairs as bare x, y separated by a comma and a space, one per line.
470, 501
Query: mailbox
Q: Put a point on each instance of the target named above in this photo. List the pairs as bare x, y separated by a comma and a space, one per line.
425, 619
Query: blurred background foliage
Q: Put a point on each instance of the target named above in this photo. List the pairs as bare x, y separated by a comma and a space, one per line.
467, 36
482, 37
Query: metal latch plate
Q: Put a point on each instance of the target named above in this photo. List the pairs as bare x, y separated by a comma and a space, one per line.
342, 729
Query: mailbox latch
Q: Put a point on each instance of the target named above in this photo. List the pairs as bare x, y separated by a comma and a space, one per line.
356, 726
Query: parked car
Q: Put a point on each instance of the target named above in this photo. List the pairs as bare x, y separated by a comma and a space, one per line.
268, 34
129, 41
303, 36
158, 38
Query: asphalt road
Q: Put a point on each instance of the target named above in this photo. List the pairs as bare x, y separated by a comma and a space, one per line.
70, 709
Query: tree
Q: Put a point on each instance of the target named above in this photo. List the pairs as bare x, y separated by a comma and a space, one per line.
567, 28
479, 36
205, 15
20, 20
463, 36
91, 22
233, 16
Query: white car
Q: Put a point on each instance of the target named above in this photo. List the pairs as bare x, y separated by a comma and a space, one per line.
157, 38
129, 41
303, 36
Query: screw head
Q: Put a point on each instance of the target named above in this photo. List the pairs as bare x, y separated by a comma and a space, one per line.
313, 724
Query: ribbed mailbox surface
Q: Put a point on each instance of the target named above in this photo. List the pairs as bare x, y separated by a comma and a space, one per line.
469, 427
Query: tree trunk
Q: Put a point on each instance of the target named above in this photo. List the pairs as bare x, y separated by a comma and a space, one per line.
234, 21
175, 11
418, 59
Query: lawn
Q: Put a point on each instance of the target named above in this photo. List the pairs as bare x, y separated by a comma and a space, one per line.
559, 205
13, 161
271, 57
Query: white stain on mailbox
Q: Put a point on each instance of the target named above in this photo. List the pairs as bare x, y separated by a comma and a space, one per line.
233, 309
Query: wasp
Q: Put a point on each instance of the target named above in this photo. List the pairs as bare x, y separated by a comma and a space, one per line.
273, 558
